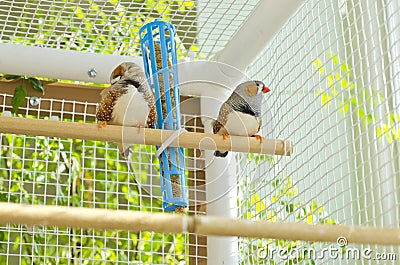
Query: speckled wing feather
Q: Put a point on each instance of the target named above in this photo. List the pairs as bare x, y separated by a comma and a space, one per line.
108, 98
222, 117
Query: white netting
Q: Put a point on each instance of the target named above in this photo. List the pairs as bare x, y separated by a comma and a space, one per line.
203, 27
334, 72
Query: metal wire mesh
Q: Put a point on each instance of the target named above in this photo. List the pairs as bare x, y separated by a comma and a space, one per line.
79, 173
334, 72
111, 27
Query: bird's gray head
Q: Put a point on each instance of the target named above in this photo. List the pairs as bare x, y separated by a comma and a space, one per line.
127, 70
249, 94
251, 89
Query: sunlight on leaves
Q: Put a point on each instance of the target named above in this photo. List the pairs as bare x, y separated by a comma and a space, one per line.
57, 165
318, 64
283, 205
325, 98
353, 100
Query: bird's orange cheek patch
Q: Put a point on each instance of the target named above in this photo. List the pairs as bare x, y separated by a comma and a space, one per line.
119, 71
251, 90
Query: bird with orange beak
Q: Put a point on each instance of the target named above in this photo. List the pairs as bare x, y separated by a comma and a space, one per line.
240, 114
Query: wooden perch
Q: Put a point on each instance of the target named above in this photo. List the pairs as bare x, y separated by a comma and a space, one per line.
112, 133
61, 216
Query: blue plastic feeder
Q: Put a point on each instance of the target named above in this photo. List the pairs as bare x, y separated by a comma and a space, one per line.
157, 40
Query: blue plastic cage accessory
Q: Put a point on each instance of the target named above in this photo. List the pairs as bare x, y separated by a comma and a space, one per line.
160, 64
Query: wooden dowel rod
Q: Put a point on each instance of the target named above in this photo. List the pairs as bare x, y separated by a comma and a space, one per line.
61, 216
13, 213
297, 231
112, 133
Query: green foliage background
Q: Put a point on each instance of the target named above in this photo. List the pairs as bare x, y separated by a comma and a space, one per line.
109, 27
68, 172
353, 99
42, 170
276, 201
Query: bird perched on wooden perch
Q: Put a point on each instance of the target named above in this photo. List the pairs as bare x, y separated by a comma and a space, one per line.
128, 101
240, 114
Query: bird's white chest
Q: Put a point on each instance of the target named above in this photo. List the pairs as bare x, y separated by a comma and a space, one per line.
241, 124
131, 109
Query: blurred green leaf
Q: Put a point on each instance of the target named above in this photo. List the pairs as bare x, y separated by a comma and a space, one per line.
36, 84
289, 208
19, 97
325, 98
360, 113
79, 13
330, 80
345, 68
335, 59
318, 64
370, 118
11, 77
188, 4
344, 107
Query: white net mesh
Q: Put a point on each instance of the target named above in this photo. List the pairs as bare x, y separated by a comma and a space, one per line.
334, 73
111, 27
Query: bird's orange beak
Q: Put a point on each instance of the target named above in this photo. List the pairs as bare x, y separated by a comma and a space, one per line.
265, 89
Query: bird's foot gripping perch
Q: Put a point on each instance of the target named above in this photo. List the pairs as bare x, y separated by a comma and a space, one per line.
258, 137
225, 135
217, 153
140, 127
102, 124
